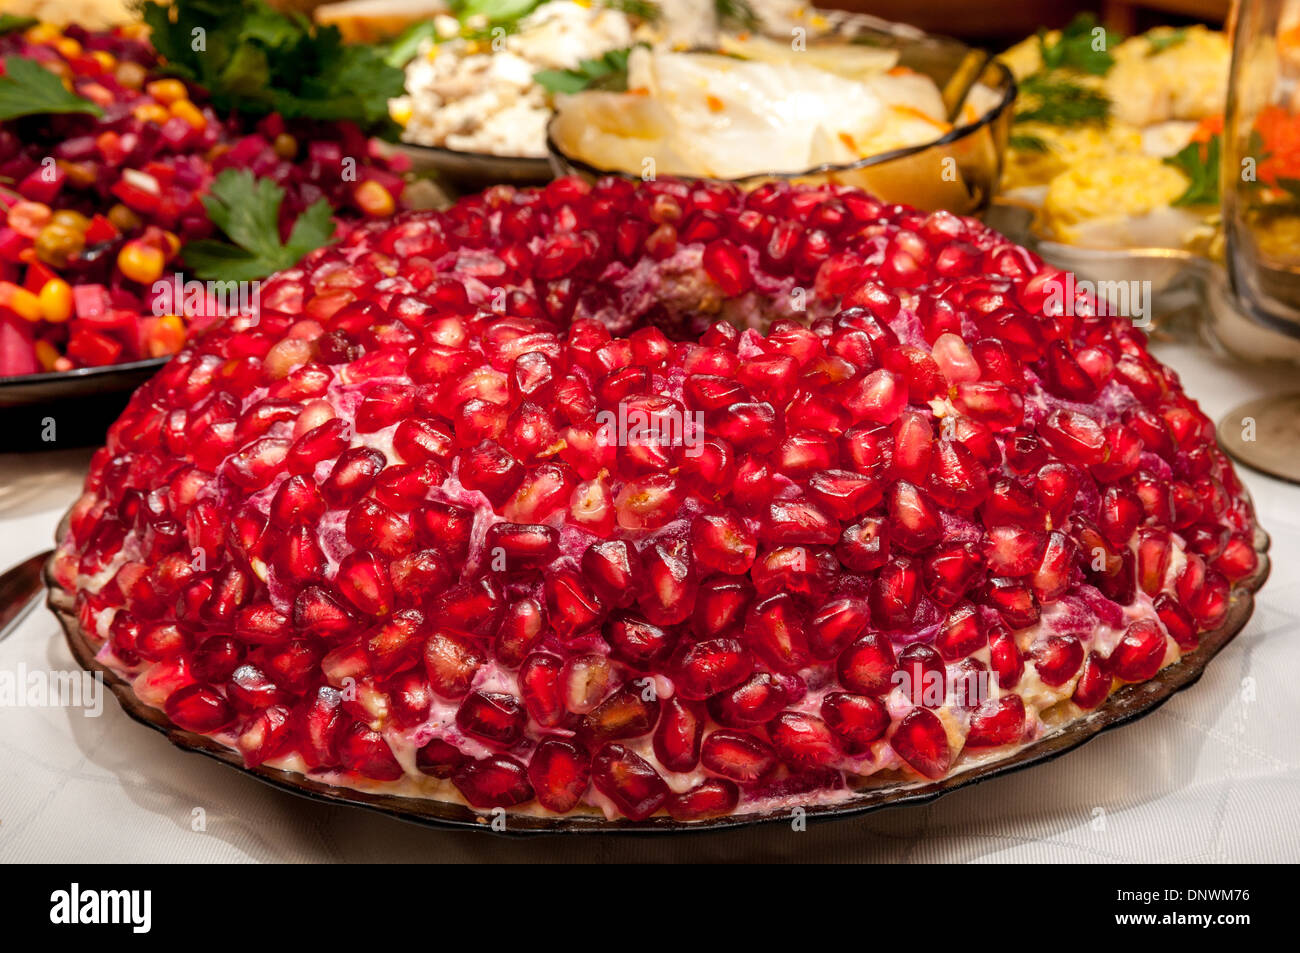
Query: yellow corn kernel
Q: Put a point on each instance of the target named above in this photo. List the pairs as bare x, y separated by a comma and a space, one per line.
374, 200
167, 91
67, 47
140, 262
56, 301
151, 112
184, 109
20, 301
105, 59
47, 355
166, 336
43, 34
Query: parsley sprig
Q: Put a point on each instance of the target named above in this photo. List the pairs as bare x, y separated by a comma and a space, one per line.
11, 23
253, 59
29, 89
247, 210
1199, 161
607, 72
1079, 47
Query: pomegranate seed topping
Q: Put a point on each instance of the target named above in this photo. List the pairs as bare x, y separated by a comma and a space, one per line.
1094, 683
715, 797
737, 755
855, 720
629, 781
996, 723
867, 665
723, 542
1140, 653
496, 781
559, 774
802, 741
199, 708
1057, 659
439, 759
1005, 658
495, 717
451, 660
468, 434
920, 740
714, 665
677, 736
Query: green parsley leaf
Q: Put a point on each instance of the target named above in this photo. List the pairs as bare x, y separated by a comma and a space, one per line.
247, 210
406, 44
494, 11
11, 24
606, 72
737, 13
1076, 48
1061, 102
641, 9
1200, 163
1158, 44
29, 89
255, 60
1023, 142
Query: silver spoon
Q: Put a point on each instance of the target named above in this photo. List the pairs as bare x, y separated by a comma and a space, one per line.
21, 587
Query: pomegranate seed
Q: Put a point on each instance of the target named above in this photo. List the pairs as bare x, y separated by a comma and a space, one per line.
711, 666
867, 665
495, 781
199, 708
1140, 653
1094, 683
439, 759
855, 720
364, 751
559, 774
714, 797
802, 741
541, 687
922, 743
997, 722
677, 736
495, 717
629, 781
737, 755
451, 660
1057, 659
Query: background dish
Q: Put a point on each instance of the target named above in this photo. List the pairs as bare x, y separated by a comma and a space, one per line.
958, 171
81, 402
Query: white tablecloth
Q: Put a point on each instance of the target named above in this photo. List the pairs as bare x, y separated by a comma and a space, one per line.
1214, 775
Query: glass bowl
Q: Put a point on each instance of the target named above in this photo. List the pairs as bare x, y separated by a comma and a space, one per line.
958, 171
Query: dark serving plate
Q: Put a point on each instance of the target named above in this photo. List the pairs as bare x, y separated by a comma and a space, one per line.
81, 403
473, 171
1127, 704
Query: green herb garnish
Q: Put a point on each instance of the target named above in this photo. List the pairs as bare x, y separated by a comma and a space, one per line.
10, 23
1076, 47
29, 89
247, 210
1024, 142
737, 13
1158, 44
253, 59
1200, 163
494, 11
608, 72
641, 9
1056, 101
